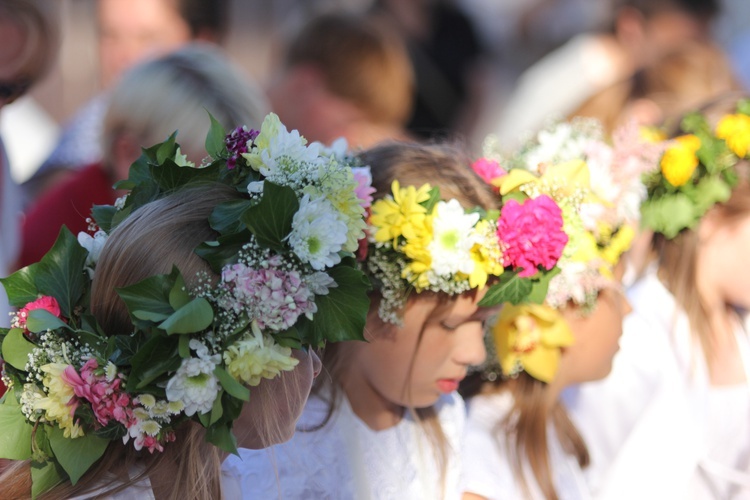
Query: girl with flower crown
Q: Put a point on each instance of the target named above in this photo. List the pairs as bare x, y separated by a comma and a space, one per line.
385, 420
194, 335
520, 441
675, 411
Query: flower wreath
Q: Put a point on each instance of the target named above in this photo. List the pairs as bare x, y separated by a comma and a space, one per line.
419, 242
698, 170
598, 187
288, 280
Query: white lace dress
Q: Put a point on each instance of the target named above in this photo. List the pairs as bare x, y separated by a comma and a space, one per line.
346, 459
486, 469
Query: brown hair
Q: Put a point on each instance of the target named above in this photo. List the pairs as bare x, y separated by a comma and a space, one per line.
677, 258
361, 60
446, 167
159, 235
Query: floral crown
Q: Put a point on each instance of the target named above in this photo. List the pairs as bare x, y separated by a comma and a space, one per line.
419, 242
598, 188
284, 252
698, 170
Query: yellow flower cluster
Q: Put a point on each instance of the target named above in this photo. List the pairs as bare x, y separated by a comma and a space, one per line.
487, 256
735, 130
529, 337
57, 403
257, 357
680, 161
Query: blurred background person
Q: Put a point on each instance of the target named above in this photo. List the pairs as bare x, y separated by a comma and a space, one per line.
129, 31
345, 75
151, 101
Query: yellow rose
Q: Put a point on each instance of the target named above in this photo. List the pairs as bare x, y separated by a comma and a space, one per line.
679, 161
735, 130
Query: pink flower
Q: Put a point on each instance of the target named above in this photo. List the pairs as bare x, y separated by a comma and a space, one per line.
364, 190
149, 442
237, 142
47, 303
107, 399
488, 170
531, 234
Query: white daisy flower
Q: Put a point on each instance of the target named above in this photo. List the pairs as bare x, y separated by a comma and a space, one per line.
194, 384
452, 239
317, 233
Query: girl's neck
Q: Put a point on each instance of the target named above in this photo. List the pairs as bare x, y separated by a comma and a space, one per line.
377, 412
725, 366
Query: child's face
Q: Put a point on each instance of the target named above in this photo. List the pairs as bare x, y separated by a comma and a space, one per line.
597, 336
427, 356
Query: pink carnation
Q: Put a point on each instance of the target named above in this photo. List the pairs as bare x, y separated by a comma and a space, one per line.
107, 399
47, 303
488, 170
531, 234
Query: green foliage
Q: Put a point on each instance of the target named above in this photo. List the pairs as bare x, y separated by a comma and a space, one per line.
16, 349
270, 221
75, 456
215, 145
15, 438
509, 288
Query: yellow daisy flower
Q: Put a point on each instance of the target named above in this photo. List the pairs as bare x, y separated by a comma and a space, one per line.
679, 161
735, 130
401, 215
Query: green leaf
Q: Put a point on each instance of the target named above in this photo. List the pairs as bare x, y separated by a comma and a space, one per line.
15, 438
226, 217
20, 286
669, 215
75, 456
103, 215
159, 355
342, 313
44, 477
232, 386
150, 316
40, 320
213, 416
432, 200
710, 190
178, 295
222, 437
215, 145
224, 250
169, 176
150, 295
540, 285
194, 317
271, 219
510, 288
16, 349
167, 149
60, 272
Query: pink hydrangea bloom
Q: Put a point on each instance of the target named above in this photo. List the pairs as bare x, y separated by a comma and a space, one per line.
47, 303
531, 234
364, 189
273, 297
107, 399
488, 170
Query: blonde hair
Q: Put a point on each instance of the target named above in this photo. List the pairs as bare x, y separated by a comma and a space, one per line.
37, 19
362, 60
446, 167
677, 257
174, 92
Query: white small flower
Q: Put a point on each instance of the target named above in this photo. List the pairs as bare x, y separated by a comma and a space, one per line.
336, 150
110, 371
150, 427
147, 400
255, 187
94, 245
317, 233
120, 202
194, 384
319, 283
452, 239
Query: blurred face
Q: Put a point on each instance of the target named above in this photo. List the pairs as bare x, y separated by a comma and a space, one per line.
723, 274
11, 60
133, 30
411, 366
596, 335
669, 30
276, 404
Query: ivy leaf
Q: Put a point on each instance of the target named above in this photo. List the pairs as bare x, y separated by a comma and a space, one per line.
540, 285
222, 437
60, 272
710, 190
75, 456
225, 218
157, 356
510, 288
15, 439
193, 317
44, 476
150, 295
669, 215
16, 349
20, 286
224, 250
215, 145
167, 149
103, 215
40, 320
434, 197
342, 313
271, 219
232, 386
178, 295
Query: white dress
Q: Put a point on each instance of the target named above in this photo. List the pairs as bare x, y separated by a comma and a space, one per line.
486, 468
657, 418
347, 460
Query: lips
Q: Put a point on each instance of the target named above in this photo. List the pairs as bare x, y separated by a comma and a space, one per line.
448, 385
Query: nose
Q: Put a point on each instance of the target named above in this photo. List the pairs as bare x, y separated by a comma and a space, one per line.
470, 348
316, 363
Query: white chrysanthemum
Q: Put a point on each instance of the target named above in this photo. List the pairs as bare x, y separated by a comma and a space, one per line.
317, 233
277, 147
110, 371
150, 427
336, 150
147, 400
194, 384
94, 245
257, 357
452, 239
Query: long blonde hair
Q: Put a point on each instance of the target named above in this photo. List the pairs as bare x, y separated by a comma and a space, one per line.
443, 166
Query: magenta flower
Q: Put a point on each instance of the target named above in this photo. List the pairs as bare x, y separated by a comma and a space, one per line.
107, 399
238, 142
488, 170
47, 303
531, 234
